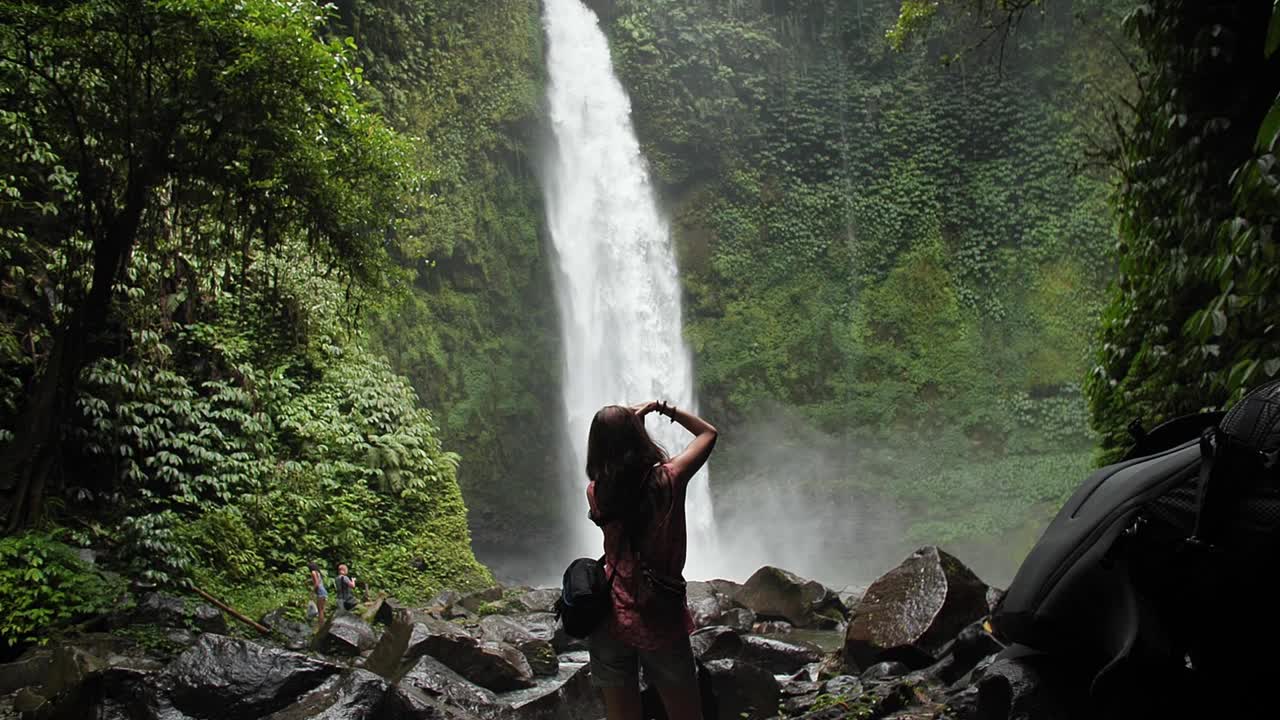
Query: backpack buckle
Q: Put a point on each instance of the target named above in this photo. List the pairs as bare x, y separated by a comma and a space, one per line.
1270, 459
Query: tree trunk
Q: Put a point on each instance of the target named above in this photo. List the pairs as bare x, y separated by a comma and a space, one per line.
30, 466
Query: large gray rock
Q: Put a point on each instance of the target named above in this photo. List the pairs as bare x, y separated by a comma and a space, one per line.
295, 633
442, 602
69, 665
1011, 688
914, 610
113, 693
706, 605
738, 618
743, 691
716, 643
775, 593
544, 626
497, 666
354, 695
386, 609
728, 588
780, 657
475, 600
29, 669
537, 600
431, 691
156, 608
226, 679
436, 679
538, 652
567, 696
345, 634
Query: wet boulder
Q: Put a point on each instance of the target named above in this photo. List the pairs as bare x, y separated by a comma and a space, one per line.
345, 635
775, 593
544, 626
914, 610
738, 618
1013, 688
799, 697
728, 588
295, 633
30, 668
442, 604
475, 600
843, 686
112, 693
743, 691
494, 665
225, 678
392, 648
539, 653
706, 605
68, 667
884, 671
430, 690
430, 676
716, 643
386, 609
567, 696
536, 600
157, 608
780, 657
354, 695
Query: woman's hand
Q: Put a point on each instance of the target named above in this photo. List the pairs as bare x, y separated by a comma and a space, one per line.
645, 408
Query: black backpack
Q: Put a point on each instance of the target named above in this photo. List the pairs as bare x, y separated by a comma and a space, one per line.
1121, 577
586, 597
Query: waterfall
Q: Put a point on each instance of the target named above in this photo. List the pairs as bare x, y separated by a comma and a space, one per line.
617, 284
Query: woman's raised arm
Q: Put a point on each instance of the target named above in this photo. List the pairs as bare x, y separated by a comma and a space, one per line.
694, 456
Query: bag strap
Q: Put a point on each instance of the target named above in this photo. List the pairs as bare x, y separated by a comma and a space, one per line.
613, 570
1211, 445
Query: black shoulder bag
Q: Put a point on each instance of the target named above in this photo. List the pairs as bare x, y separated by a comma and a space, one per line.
586, 597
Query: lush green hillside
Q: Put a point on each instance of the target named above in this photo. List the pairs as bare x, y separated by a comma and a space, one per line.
476, 335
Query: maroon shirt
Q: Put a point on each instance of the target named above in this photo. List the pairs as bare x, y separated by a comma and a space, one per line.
664, 543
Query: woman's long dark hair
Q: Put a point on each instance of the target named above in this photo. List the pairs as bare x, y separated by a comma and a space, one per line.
620, 460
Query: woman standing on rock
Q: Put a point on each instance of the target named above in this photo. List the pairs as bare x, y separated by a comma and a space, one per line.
637, 494
319, 590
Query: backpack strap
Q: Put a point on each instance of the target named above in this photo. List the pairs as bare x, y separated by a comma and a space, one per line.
1211, 446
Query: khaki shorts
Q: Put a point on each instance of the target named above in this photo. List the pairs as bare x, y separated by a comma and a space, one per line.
614, 664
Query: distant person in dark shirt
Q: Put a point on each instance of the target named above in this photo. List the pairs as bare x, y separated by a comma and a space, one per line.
346, 589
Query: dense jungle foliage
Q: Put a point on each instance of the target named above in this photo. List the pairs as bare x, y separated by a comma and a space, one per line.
1191, 323
198, 201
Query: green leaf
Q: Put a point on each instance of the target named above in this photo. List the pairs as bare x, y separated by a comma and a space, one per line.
1219, 322
1271, 367
1269, 132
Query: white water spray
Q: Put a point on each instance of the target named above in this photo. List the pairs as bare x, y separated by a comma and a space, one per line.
617, 285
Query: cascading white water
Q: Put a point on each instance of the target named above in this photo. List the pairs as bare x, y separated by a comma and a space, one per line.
617, 285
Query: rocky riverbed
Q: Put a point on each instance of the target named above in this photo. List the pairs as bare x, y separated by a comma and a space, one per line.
912, 645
